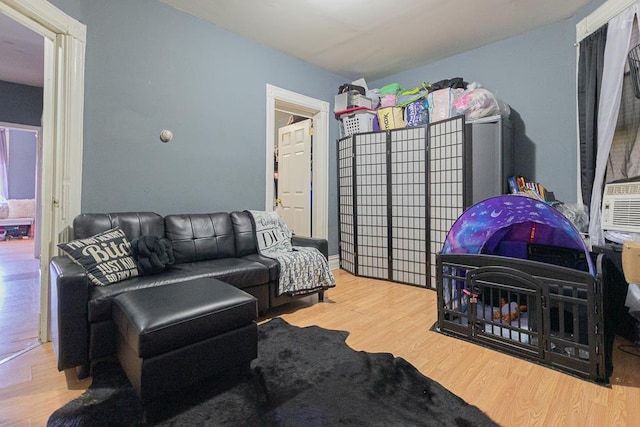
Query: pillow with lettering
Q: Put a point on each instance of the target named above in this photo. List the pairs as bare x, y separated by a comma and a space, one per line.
272, 233
106, 256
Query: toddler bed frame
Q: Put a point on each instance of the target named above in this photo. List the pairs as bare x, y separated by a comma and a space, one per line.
546, 313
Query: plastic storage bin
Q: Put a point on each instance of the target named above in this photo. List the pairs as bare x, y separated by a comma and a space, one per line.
358, 122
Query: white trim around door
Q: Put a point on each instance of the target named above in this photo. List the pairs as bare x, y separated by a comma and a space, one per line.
62, 127
319, 110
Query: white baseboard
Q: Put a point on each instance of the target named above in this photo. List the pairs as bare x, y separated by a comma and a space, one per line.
334, 262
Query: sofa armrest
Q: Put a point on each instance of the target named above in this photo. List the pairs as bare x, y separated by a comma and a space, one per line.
69, 287
321, 244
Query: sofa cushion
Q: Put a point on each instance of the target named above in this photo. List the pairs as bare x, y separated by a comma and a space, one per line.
101, 297
239, 272
106, 256
199, 237
134, 224
234, 271
272, 264
245, 237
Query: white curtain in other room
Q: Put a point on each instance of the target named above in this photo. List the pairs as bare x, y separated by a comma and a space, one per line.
615, 56
4, 184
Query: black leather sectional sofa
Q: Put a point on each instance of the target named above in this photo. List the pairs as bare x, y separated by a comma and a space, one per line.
219, 245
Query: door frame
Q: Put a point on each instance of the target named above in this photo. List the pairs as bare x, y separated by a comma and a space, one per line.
62, 128
278, 98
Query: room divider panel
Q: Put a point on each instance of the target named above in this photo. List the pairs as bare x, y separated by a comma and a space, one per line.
346, 203
399, 192
447, 172
408, 170
382, 192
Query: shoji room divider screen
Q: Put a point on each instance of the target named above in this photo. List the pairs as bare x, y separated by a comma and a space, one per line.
447, 152
397, 198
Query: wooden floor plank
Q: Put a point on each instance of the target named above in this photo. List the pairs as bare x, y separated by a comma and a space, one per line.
19, 296
388, 317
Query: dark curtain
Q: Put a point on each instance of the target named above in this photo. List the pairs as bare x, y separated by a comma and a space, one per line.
590, 68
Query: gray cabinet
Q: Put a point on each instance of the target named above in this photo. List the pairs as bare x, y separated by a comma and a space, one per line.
489, 142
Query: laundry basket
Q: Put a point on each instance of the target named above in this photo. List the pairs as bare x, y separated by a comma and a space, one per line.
358, 122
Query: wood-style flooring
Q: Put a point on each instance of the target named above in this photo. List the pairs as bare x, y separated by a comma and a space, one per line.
19, 296
388, 317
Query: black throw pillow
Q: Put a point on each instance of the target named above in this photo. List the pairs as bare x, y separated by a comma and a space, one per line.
154, 254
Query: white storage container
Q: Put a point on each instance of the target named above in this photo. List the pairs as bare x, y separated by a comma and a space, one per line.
350, 99
358, 122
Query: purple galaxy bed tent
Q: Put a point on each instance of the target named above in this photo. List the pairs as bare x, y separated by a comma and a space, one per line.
512, 225
515, 274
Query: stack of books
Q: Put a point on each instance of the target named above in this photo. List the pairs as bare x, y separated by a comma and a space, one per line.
521, 185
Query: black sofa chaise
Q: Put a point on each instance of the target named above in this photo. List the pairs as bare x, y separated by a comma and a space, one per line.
217, 245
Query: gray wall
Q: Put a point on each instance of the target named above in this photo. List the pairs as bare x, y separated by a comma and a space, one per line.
20, 104
535, 73
150, 67
21, 169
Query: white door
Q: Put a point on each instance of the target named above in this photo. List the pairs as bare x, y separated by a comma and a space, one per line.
294, 176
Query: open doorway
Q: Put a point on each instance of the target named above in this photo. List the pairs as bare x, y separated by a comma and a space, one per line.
20, 173
19, 264
292, 103
20, 154
60, 158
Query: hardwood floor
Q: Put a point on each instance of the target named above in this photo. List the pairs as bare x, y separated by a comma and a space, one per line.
19, 296
389, 317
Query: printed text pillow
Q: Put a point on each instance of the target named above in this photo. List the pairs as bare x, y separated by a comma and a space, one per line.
272, 232
106, 256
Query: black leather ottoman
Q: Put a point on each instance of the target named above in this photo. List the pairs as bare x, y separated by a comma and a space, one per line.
175, 335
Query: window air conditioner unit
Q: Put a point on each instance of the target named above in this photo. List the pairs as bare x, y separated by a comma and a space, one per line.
621, 206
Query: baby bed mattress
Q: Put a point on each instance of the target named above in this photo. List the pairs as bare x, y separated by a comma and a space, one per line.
497, 327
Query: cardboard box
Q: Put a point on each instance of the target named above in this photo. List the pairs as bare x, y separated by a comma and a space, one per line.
391, 118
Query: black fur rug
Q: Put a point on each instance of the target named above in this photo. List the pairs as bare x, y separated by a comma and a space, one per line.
302, 377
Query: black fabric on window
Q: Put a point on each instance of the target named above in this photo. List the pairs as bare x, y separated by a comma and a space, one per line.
590, 68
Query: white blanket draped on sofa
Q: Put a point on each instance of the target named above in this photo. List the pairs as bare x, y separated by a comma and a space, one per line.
302, 270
